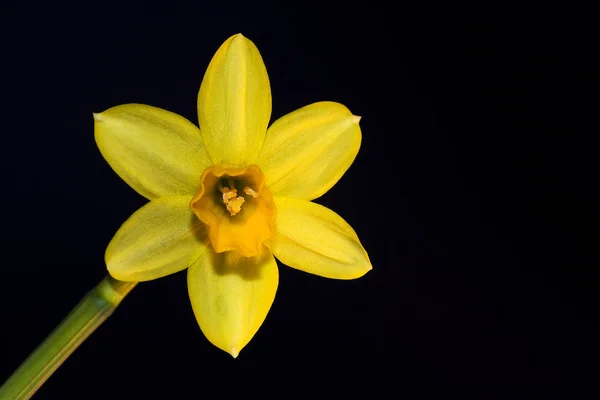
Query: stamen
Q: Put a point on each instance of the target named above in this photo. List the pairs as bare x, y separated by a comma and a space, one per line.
235, 206
228, 194
250, 192
230, 182
231, 199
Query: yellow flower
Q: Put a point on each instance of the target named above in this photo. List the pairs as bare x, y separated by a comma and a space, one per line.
226, 198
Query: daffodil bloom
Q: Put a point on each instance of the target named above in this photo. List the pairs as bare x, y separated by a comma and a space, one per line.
228, 197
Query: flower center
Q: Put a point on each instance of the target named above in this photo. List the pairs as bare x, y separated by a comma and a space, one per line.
232, 201
237, 208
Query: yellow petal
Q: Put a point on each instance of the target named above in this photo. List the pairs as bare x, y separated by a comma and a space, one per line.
234, 103
231, 296
158, 153
307, 151
314, 239
159, 239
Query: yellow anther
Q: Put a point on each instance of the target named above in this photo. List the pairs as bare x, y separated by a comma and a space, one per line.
234, 206
231, 199
250, 192
228, 194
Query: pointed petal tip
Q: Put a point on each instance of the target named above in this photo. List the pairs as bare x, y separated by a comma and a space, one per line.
356, 119
234, 352
238, 37
361, 273
97, 116
368, 267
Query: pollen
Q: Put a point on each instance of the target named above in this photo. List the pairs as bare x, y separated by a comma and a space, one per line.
250, 192
232, 201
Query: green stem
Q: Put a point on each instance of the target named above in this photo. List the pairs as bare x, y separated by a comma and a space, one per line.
88, 315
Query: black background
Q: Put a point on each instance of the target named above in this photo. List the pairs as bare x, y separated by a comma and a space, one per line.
472, 193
